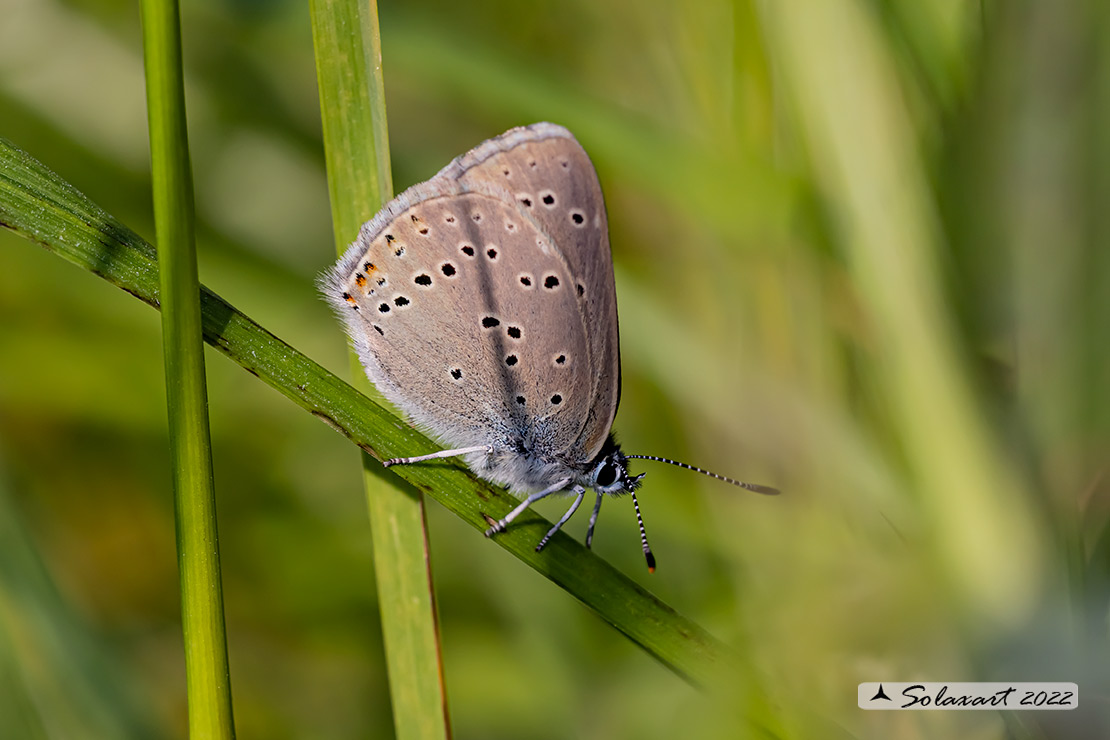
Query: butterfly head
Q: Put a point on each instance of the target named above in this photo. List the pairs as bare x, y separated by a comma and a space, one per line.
610, 473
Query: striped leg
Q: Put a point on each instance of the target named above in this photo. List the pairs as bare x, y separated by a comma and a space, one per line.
593, 520
499, 526
570, 512
436, 455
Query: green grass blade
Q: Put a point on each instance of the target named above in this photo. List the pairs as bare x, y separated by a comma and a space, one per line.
208, 678
352, 106
877, 189
40, 206
352, 109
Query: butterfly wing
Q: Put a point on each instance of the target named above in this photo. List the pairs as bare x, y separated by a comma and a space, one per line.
467, 314
548, 174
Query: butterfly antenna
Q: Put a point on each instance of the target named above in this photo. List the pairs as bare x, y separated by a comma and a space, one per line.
643, 535
767, 490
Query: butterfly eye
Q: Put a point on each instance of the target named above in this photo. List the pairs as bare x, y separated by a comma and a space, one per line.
607, 475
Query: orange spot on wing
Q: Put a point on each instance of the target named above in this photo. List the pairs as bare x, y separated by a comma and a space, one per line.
360, 280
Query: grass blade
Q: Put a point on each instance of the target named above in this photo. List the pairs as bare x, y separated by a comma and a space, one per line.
352, 107
987, 537
202, 616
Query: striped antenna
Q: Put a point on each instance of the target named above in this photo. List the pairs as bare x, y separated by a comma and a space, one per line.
767, 490
643, 535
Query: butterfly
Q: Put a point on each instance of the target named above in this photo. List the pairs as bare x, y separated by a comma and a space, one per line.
482, 304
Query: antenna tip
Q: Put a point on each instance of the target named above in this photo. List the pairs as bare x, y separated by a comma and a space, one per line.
650, 561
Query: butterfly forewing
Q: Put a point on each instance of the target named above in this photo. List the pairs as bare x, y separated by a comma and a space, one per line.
451, 300
481, 302
549, 177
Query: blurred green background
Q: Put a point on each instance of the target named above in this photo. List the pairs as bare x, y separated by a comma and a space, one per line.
862, 254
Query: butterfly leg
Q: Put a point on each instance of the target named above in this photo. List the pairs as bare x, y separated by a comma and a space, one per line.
593, 519
579, 490
500, 526
436, 455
